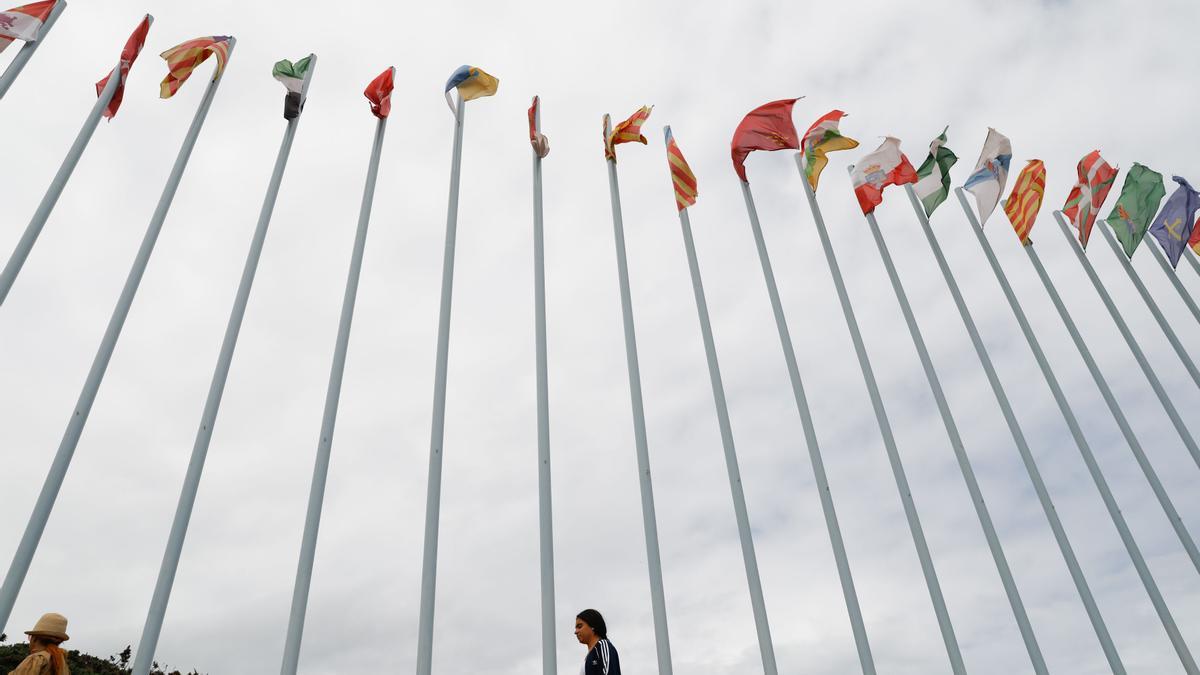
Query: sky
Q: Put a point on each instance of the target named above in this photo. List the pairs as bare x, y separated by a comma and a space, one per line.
1059, 78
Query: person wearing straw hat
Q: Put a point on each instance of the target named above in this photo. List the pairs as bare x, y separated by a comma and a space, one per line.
45, 656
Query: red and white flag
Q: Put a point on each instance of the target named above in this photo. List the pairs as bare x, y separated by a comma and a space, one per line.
379, 93
886, 166
129, 54
24, 22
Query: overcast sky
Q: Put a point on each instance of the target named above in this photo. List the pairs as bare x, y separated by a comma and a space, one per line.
1059, 78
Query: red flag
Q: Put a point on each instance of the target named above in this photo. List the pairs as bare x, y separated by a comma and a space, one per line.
379, 93
1026, 199
1096, 178
767, 127
129, 54
541, 144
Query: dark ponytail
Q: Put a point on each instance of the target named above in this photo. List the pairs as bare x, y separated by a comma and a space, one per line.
592, 618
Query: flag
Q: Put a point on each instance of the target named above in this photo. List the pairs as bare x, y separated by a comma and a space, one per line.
822, 137
129, 54
629, 131
471, 83
1194, 241
182, 59
681, 174
1140, 196
767, 127
991, 173
294, 77
24, 22
541, 144
886, 166
1026, 199
1096, 178
379, 93
1173, 225
933, 185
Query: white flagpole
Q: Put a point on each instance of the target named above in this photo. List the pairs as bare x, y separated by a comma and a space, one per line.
1191, 258
960, 454
865, 659
316, 496
83, 407
1085, 451
1152, 305
433, 502
1166, 268
1176, 420
18, 63
885, 430
208, 418
1135, 446
42, 214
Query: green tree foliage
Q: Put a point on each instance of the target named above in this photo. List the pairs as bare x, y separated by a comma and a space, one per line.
85, 664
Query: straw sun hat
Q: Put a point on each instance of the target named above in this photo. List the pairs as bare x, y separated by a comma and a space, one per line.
51, 625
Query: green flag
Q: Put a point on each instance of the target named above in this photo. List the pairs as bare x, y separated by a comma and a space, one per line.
294, 76
1140, 196
933, 178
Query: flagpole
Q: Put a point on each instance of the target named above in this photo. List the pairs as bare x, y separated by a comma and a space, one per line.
1183, 294
1139, 356
1081, 443
316, 496
1153, 307
18, 63
1135, 446
1014, 427
208, 418
42, 214
545, 510
1192, 261
83, 407
434, 490
649, 520
865, 659
757, 603
960, 454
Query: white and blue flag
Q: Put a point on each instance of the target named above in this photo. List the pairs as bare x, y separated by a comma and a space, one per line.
991, 173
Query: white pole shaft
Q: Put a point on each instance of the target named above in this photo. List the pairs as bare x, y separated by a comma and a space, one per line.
433, 502
1014, 428
316, 496
1085, 451
83, 407
865, 659
18, 63
1174, 278
13, 267
1191, 258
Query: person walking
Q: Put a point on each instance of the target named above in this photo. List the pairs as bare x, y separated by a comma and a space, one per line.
45, 655
601, 658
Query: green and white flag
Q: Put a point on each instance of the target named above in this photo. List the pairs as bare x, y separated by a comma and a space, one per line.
933, 178
295, 77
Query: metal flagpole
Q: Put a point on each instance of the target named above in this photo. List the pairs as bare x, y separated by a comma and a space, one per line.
649, 521
545, 510
191, 482
1183, 294
42, 214
1134, 445
66, 449
1192, 261
889, 442
757, 603
316, 496
434, 492
18, 63
1138, 355
1085, 450
1152, 306
1014, 427
960, 453
865, 659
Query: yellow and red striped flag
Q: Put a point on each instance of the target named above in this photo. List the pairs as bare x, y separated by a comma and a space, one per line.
182, 60
629, 131
681, 174
1026, 199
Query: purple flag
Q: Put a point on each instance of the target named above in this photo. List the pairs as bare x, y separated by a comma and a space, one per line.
1173, 225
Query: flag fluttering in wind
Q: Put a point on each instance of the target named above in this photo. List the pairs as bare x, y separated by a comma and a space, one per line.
379, 93
991, 173
1139, 199
182, 59
129, 54
1096, 178
1173, 225
681, 174
767, 127
294, 77
1194, 240
541, 144
1026, 199
886, 166
471, 83
629, 131
933, 184
823, 137
24, 22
